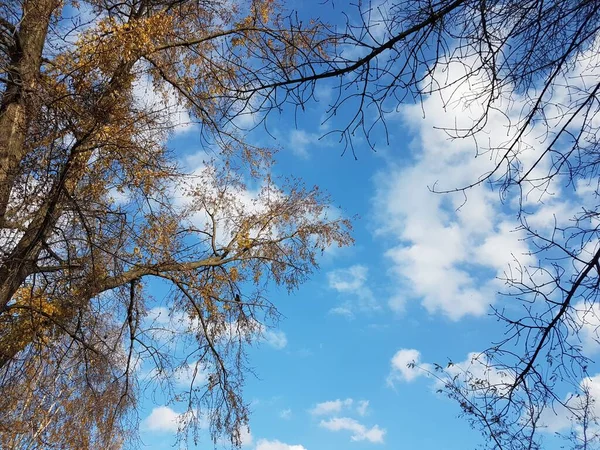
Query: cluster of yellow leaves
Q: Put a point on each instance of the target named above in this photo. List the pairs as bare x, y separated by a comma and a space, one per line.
242, 237
34, 301
158, 237
234, 274
34, 313
263, 9
112, 43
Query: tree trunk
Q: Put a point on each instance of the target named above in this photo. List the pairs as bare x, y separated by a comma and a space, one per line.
16, 106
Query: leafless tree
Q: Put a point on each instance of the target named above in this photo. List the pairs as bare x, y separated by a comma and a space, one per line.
535, 63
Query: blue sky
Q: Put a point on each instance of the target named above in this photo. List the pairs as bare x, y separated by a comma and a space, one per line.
326, 379
333, 373
416, 286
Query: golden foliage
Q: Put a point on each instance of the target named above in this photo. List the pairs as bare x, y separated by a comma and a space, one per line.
90, 202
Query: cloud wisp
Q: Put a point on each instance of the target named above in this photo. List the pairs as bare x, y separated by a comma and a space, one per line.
358, 431
265, 444
333, 409
351, 283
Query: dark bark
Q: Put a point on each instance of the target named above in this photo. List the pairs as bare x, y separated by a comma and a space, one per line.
16, 104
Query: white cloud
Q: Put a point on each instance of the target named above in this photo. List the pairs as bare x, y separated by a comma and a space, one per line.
342, 311
187, 374
587, 324
348, 280
438, 241
478, 373
221, 202
447, 249
362, 407
166, 325
285, 414
407, 366
246, 437
163, 419
586, 188
185, 377
352, 280
274, 338
226, 206
437, 248
264, 444
331, 407
165, 105
334, 407
159, 315
559, 418
248, 115
119, 197
301, 142
358, 430
378, 17
212, 203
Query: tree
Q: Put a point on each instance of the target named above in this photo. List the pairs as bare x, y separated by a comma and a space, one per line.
89, 211
531, 70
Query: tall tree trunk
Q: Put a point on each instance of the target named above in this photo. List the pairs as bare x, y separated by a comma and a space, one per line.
26, 59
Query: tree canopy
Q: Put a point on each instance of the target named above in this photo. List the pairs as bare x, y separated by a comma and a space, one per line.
92, 205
